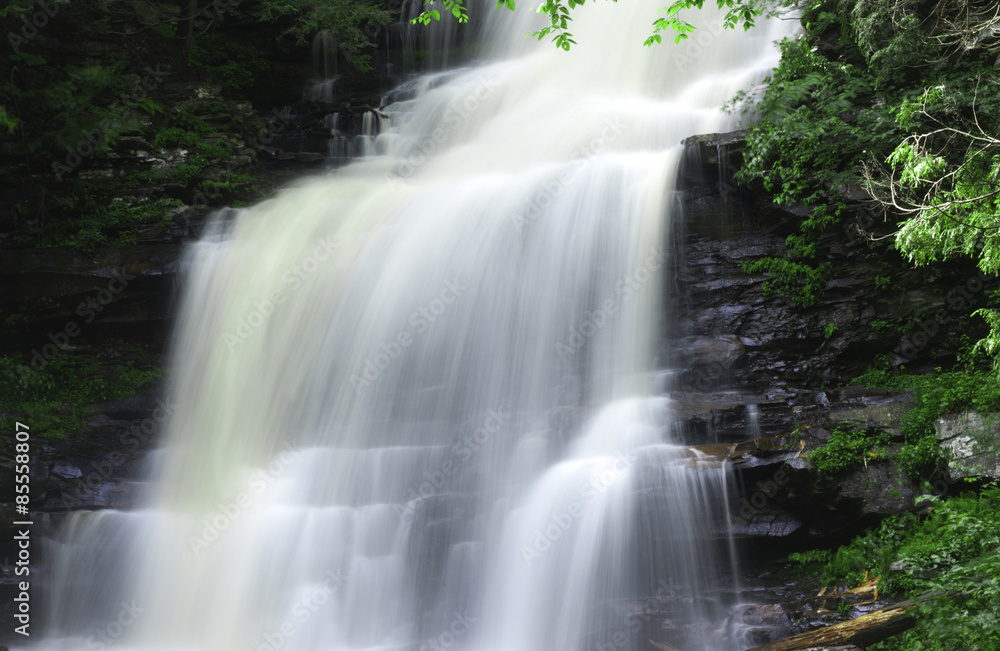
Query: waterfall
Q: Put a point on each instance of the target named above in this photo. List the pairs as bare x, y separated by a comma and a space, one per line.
442, 42
322, 88
753, 422
343, 148
414, 400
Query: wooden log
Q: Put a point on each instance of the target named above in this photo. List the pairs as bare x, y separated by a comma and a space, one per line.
663, 646
860, 631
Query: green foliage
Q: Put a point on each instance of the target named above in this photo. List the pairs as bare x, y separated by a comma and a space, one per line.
7, 121
190, 122
811, 556
206, 154
830, 329
881, 326
456, 8
176, 137
904, 106
937, 394
150, 106
18, 10
804, 565
817, 126
54, 401
920, 456
798, 283
888, 34
65, 102
95, 212
952, 550
814, 132
934, 395
238, 66
848, 450
738, 12
945, 175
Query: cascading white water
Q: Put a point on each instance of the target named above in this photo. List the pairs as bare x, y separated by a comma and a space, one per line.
343, 148
414, 399
324, 62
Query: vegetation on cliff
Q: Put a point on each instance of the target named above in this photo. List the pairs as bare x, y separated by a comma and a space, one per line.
889, 102
947, 551
111, 115
879, 121
56, 399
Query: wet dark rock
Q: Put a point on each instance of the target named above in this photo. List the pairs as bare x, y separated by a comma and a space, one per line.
781, 495
725, 351
762, 623
882, 488
65, 471
117, 290
971, 442
775, 524
99, 470
858, 408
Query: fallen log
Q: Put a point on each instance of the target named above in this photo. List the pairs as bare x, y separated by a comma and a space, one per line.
860, 631
663, 646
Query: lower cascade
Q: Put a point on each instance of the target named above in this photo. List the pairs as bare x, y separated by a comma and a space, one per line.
414, 401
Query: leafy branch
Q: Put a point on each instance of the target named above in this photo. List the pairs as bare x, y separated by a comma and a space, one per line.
946, 181
739, 12
456, 8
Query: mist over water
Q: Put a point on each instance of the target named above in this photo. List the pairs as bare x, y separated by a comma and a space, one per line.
415, 400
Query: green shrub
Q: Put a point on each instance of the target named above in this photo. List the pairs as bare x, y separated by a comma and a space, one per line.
176, 137
937, 394
952, 552
848, 450
53, 401
239, 66
934, 395
800, 284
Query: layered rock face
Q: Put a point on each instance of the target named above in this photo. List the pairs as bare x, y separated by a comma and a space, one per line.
750, 364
